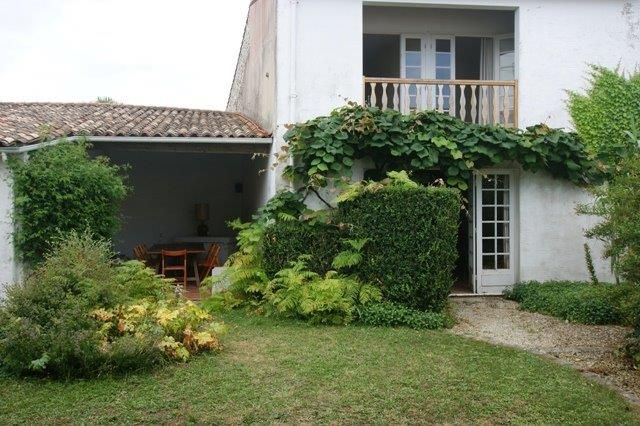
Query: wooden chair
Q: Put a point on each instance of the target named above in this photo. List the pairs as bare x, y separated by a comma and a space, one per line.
141, 253
205, 268
174, 261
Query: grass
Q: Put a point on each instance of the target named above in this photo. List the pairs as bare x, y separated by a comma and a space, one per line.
284, 372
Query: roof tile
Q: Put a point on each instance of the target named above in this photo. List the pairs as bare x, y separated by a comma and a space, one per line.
27, 123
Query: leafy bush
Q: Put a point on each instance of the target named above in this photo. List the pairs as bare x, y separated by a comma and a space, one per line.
581, 302
412, 233
285, 241
618, 205
332, 299
605, 114
245, 268
389, 314
79, 314
60, 189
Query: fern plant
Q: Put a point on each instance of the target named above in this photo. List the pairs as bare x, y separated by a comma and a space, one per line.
333, 299
352, 256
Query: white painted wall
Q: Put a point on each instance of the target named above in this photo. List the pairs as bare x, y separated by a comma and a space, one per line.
166, 187
551, 234
10, 272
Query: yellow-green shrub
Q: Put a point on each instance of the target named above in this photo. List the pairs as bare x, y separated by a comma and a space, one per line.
81, 315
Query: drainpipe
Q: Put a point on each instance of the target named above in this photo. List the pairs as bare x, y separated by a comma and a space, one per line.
293, 36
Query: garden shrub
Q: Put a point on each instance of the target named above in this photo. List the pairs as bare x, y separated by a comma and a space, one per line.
60, 189
285, 241
390, 314
245, 268
581, 302
412, 234
80, 315
618, 204
298, 292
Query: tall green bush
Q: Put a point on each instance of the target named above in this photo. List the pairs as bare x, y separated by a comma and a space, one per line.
412, 233
606, 112
285, 241
60, 189
618, 204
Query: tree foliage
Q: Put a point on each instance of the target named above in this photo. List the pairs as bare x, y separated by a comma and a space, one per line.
326, 147
61, 189
618, 204
607, 112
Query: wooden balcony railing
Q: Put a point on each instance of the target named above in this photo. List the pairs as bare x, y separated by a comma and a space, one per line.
475, 101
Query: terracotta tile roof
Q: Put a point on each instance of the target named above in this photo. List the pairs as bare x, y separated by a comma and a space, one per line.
26, 123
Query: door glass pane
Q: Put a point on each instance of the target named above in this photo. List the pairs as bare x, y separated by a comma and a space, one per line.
488, 245
488, 197
443, 60
443, 45
502, 230
443, 73
502, 245
488, 213
412, 72
502, 213
489, 262
489, 229
502, 198
413, 59
502, 181
503, 261
488, 182
507, 45
412, 45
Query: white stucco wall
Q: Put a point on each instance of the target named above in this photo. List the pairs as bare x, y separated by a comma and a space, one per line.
551, 234
10, 272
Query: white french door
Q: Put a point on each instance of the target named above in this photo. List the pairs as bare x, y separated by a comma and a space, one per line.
427, 57
495, 230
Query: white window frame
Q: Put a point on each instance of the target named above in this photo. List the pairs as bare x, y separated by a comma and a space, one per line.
496, 55
432, 55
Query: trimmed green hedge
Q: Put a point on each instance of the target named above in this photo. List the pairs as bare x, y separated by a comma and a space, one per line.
412, 232
580, 302
389, 314
285, 241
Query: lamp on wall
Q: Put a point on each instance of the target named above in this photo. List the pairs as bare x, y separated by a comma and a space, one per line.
202, 216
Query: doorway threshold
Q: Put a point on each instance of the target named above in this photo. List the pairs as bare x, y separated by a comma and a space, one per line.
470, 294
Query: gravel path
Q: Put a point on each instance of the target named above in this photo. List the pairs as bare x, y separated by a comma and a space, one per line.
590, 349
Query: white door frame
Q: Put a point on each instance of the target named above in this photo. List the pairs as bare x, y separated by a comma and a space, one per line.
495, 280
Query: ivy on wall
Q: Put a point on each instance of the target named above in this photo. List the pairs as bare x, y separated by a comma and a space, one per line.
326, 147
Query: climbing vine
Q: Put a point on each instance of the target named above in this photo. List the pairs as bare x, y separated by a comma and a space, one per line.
326, 147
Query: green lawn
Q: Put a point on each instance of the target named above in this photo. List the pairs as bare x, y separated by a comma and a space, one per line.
283, 372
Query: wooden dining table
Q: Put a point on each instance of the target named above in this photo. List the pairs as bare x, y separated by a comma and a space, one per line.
193, 249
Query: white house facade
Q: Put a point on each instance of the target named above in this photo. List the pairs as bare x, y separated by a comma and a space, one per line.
488, 61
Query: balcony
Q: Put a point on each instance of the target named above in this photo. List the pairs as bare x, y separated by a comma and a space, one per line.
458, 61
474, 101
